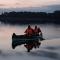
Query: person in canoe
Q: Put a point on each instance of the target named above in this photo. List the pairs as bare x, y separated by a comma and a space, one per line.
37, 31
29, 31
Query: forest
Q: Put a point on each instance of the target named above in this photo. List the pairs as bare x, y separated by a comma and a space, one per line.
30, 17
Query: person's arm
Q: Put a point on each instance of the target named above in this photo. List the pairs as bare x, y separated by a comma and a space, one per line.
25, 31
39, 30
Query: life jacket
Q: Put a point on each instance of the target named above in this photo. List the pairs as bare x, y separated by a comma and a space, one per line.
29, 32
36, 31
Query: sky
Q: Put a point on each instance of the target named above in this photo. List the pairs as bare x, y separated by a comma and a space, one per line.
27, 3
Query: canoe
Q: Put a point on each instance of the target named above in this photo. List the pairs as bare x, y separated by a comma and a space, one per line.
23, 39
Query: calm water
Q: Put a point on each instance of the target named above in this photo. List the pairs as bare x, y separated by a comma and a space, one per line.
6, 31
49, 32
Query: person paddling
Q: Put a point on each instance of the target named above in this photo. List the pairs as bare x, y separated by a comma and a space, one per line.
37, 31
29, 31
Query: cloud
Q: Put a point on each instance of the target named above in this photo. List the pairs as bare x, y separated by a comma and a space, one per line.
17, 4
2, 4
48, 9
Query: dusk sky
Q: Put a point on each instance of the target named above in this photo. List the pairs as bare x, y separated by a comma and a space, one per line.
27, 3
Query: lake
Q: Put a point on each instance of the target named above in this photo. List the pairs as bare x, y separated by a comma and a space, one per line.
50, 32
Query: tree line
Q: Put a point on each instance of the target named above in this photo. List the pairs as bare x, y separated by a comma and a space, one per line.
30, 17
